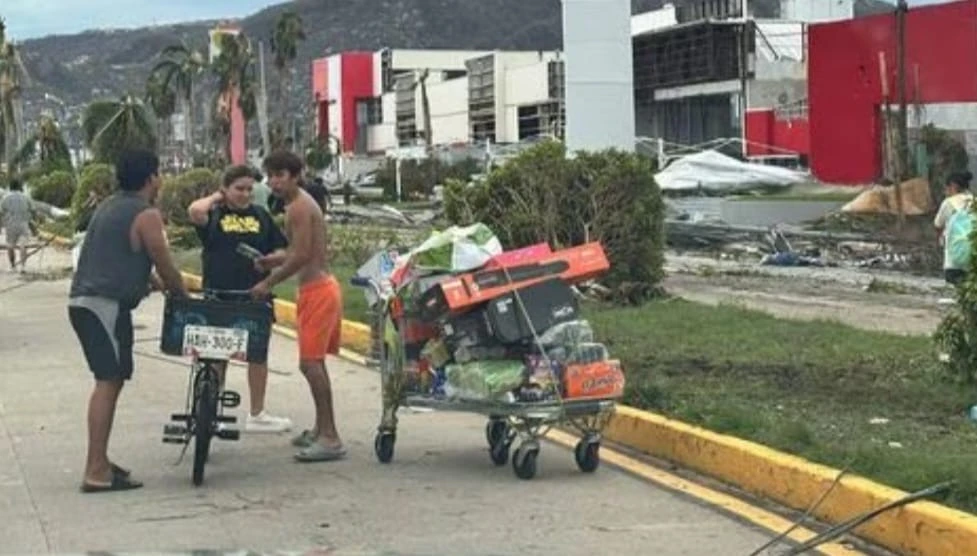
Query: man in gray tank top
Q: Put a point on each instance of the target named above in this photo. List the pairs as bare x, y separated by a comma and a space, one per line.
123, 242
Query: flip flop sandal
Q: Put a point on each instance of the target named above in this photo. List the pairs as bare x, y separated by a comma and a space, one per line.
317, 452
119, 483
116, 470
303, 439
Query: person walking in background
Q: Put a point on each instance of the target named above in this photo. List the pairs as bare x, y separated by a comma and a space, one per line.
223, 221
124, 242
261, 193
16, 211
957, 198
319, 303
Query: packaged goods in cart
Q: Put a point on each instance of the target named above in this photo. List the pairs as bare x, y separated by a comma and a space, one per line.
591, 352
603, 379
484, 380
543, 372
568, 333
436, 353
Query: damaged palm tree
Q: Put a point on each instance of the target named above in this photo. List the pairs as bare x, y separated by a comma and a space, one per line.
13, 77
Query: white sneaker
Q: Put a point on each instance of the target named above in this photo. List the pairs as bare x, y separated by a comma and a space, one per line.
263, 422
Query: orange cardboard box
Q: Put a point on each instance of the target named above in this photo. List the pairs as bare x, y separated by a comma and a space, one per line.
603, 379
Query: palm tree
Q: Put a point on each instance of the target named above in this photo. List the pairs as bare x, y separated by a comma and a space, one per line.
178, 70
234, 69
162, 100
13, 76
111, 126
46, 146
285, 41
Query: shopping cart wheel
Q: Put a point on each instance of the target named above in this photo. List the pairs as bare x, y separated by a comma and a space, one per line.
496, 431
383, 445
499, 451
587, 454
524, 460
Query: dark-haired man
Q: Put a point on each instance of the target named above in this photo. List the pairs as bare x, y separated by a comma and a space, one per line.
123, 243
319, 303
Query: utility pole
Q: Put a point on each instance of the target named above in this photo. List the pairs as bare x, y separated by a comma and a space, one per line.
903, 149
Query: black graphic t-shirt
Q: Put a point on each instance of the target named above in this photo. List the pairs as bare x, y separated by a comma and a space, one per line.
225, 268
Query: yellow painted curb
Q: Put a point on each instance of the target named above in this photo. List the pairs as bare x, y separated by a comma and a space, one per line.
922, 528
355, 336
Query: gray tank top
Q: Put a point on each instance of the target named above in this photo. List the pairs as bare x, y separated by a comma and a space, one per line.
108, 266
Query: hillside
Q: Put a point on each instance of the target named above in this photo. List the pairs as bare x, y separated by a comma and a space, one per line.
77, 68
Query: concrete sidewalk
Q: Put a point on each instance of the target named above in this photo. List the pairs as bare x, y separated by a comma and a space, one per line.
441, 495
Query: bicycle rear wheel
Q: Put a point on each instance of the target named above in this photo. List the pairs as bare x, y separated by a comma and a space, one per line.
204, 417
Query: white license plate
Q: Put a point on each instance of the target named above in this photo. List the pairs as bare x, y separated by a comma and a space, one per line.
211, 342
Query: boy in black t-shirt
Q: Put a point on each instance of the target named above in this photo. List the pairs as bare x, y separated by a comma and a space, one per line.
223, 221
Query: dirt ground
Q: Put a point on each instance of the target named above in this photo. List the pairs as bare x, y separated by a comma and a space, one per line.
893, 307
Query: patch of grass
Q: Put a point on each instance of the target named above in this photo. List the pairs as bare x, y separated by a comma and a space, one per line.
354, 302
808, 388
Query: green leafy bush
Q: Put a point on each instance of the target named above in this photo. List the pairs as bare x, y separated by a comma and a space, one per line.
418, 177
56, 188
182, 237
955, 336
542, 196
97, 182
179, 191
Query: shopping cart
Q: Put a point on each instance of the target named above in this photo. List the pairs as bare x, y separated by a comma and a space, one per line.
508, 421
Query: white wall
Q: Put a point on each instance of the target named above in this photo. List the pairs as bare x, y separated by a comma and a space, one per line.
449, 111
599, 74
817, 10
523, 85
432, 59
510, 67
335, 88
384, 136
655, 19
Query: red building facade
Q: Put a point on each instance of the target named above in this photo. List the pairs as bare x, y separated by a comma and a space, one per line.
851, 63
338, 82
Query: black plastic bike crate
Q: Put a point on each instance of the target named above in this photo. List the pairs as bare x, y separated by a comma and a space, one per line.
255, 317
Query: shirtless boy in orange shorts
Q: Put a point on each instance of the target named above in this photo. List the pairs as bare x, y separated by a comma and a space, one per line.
320, 304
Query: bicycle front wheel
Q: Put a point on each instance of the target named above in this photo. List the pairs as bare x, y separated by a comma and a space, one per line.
204, 417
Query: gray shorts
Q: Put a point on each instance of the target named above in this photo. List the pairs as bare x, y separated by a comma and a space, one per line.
16, 234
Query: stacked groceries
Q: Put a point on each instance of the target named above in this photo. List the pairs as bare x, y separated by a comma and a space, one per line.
469, 322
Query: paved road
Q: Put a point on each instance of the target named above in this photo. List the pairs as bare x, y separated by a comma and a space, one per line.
440, 496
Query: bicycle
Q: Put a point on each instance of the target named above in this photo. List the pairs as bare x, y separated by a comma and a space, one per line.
216, 329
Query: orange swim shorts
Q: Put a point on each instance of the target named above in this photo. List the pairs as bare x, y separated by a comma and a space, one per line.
320, 316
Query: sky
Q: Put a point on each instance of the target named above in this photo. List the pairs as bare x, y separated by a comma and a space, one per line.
35, 18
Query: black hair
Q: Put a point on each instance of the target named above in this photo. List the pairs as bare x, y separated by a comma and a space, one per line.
15, 185
135, 167
235, 173
282, 160
961, 179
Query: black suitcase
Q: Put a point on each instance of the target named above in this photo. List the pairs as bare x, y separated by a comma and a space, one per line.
547, 303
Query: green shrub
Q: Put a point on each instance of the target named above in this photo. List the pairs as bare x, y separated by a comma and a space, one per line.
542, 196
182, 237
955, 335
56, 188
97, 181
418, 177
179, 191
352, 246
